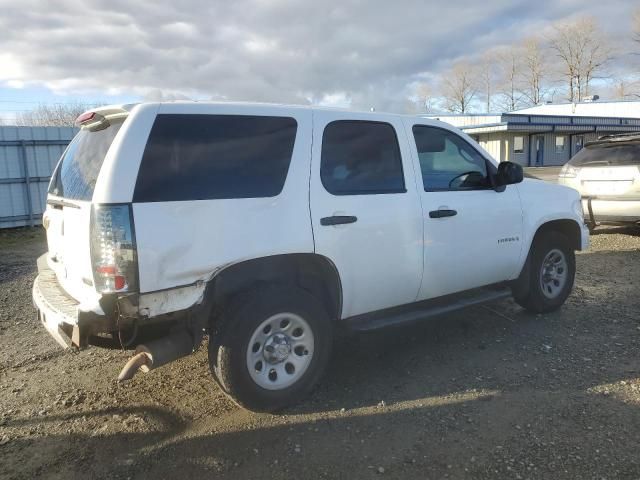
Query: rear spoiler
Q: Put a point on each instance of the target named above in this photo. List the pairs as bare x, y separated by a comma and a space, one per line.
99, 118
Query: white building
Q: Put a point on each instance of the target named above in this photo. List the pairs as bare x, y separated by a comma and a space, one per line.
546, 134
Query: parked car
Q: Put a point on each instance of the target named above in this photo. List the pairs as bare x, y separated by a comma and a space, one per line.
269, 227
607, 175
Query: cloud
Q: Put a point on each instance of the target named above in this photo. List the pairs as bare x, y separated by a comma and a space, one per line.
338, 52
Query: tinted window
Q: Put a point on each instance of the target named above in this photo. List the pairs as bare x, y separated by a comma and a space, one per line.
361, 157
448, 162
628, 154
76, 174
201, 157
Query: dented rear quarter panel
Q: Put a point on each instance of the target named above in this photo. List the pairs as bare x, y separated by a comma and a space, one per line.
181, 243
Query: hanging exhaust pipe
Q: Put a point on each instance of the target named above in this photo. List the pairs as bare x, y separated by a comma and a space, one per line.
157, 353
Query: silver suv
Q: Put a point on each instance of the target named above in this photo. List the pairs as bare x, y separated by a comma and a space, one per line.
607, 175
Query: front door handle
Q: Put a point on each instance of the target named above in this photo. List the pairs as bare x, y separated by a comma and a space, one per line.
442, 213
338, 220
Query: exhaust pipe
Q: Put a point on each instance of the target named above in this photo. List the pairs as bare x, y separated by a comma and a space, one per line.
157, 353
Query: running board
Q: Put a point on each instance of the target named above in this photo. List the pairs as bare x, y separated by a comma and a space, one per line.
426, 309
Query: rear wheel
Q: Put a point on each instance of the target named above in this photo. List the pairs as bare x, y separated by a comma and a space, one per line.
273, 348
548, 278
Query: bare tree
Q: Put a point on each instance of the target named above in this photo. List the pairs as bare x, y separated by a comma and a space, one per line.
424, 100
636, 26
486, 73
625, 88
510, 96
620, 89
534, 71
458, 88
53, 115
584, 51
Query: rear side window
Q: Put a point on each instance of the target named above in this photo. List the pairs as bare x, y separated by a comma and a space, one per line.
618, 155
77, 172
361, 157
202, 157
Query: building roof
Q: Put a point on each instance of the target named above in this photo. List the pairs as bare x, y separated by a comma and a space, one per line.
524, 123
567, 118
624, 109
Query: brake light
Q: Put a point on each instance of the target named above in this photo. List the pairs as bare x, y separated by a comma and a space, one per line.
85, 117
113, 249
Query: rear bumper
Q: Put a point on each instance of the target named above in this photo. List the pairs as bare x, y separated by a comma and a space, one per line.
615, 210
60, 314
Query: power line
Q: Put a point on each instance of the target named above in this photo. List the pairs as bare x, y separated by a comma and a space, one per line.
38, 102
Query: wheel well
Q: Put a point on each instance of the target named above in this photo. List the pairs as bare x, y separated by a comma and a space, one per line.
312, 272
568, 228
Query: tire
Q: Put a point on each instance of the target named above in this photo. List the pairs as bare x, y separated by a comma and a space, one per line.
272, 348
552, 253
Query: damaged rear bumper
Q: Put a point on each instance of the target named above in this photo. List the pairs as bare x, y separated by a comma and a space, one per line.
60, 314
72, 326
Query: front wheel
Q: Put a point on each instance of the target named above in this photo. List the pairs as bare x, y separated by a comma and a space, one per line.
272, 349
548, 279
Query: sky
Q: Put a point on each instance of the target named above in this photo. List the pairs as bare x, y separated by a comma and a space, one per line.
347, 53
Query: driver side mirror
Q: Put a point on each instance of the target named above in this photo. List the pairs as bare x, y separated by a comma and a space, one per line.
509, 173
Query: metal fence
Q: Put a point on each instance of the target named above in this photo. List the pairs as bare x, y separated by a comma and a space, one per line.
28, 156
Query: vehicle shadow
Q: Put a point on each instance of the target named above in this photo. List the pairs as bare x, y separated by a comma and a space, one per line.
508, 434
633, 230
489, 392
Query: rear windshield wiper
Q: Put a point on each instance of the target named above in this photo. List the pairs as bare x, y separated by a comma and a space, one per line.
61, 203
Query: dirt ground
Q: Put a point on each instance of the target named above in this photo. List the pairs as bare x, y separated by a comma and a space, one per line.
490, 392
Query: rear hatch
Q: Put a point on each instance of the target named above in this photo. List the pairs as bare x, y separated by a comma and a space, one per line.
609, 169
68, 213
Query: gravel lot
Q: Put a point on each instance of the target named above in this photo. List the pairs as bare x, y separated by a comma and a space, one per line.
491, 392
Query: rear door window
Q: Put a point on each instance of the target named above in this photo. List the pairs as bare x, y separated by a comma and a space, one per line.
361, 157
77, 172
202, 157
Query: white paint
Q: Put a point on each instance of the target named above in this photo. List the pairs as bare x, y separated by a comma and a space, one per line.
544, 202
379, 257
119, 171
69, 255
180, 243
173, 300
463, 251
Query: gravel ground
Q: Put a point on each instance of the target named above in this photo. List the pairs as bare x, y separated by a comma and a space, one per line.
490, 392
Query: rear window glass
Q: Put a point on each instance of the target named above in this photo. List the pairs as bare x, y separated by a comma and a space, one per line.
627, 154
76, 174
202, 157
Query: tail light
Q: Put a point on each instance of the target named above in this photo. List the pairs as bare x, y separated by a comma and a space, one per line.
568, 171
113, 249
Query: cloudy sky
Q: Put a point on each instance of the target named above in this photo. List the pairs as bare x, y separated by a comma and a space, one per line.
357, 53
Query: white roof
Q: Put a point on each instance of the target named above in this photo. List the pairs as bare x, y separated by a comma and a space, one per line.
586, 109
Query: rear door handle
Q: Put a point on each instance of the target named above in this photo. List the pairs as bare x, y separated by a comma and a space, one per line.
442, 213
338, 220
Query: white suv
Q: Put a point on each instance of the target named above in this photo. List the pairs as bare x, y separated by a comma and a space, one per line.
266, 227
